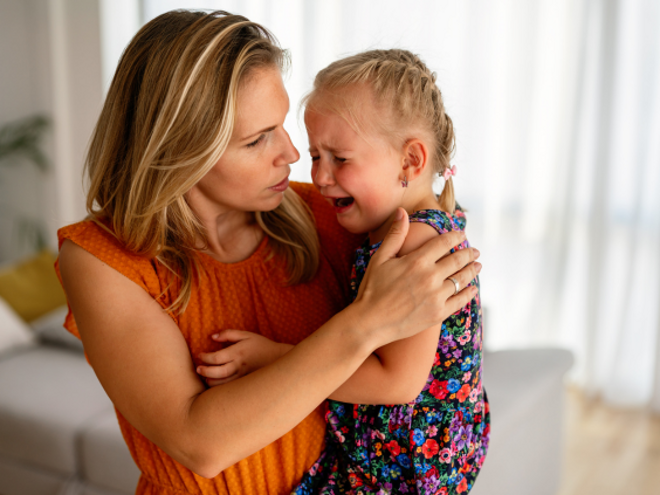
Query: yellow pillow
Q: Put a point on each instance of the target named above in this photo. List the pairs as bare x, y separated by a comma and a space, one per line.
31, 287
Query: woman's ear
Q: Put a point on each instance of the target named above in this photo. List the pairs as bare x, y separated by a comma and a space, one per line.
415, 158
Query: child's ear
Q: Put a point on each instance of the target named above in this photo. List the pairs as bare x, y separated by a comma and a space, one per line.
415, 158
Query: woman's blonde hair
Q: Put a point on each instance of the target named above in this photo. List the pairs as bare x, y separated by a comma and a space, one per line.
405, 88
167, 120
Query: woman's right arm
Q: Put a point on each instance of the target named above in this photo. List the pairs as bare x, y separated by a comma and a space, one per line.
144, 363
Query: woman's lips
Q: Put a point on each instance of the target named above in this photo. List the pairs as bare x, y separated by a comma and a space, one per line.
280, 186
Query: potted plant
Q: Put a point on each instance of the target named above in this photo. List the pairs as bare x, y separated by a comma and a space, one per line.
23, 138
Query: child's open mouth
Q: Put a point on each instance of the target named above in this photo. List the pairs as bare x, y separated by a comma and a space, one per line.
342, 203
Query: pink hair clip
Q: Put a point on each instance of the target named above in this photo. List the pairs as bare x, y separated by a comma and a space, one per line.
449, 171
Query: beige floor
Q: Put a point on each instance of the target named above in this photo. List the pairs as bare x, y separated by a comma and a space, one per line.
610, 451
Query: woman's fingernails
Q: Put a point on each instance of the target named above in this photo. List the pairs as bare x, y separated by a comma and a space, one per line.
399, 214
477, 266
215, 335
476, 253
199, 369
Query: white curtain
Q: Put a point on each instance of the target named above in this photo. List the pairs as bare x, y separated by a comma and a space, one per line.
556, 105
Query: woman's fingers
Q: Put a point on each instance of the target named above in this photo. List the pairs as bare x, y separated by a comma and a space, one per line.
439, 247
463, 277
455, 303
457, 261
466, 292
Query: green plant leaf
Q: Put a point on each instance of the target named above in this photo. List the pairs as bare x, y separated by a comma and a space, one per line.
23, 138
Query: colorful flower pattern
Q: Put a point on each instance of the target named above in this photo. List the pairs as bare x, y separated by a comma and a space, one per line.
433, 445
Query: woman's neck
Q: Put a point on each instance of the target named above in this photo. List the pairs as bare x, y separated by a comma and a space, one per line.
231, 236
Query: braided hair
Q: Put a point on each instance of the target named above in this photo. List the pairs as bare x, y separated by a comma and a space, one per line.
406, 89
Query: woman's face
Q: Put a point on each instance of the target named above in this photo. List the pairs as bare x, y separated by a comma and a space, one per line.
252, 174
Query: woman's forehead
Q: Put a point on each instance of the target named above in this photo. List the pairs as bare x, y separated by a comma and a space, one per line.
262, 102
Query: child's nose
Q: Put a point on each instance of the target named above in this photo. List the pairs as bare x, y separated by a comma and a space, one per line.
322, 175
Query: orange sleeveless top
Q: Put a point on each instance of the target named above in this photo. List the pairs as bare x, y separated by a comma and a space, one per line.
247, 295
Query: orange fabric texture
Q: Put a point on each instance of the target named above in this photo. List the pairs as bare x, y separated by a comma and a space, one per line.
247, 295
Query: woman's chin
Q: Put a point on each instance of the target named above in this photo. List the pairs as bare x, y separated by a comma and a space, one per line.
271, 203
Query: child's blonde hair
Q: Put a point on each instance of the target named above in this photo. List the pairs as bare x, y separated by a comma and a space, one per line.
402, 84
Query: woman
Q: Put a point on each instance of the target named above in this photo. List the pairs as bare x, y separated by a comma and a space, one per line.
193, 229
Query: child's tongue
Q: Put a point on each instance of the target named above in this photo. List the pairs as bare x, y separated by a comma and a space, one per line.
341, 202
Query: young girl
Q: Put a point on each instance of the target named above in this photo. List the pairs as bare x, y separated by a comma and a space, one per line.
379, 135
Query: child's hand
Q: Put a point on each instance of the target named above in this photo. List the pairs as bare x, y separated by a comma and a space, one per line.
244, 353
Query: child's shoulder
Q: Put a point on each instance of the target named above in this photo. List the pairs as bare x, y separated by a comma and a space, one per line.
440, 220
428, 223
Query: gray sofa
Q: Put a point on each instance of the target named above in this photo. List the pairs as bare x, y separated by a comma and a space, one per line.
59, 434
58, 430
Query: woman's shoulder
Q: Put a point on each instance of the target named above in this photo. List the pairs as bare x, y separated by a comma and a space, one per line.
98, 240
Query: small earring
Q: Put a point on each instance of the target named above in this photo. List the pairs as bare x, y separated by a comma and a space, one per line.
404, 182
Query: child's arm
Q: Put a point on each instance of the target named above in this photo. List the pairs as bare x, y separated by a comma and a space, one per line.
246, 352
395, 373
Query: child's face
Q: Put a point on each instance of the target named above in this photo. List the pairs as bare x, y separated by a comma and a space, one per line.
359, 175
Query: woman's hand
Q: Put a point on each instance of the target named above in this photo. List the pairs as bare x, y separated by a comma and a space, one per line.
402, 296
245, 352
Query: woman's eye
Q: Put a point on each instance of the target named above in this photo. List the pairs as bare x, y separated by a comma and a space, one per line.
339, 159
315, 158
255, 142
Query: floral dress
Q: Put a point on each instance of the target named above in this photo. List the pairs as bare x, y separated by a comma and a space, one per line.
433, 445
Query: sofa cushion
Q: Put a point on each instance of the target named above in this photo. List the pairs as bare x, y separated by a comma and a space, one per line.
105, 457
517, 380
49, 328
14, 332
31, 286
17, 478
525, 390
47, 396
96, 490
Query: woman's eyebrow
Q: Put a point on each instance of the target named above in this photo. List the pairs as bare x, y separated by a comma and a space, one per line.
262, 131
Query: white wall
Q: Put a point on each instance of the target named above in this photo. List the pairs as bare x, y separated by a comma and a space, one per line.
50, 63
22, 93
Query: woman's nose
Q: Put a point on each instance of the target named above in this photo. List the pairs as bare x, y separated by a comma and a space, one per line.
289, 154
